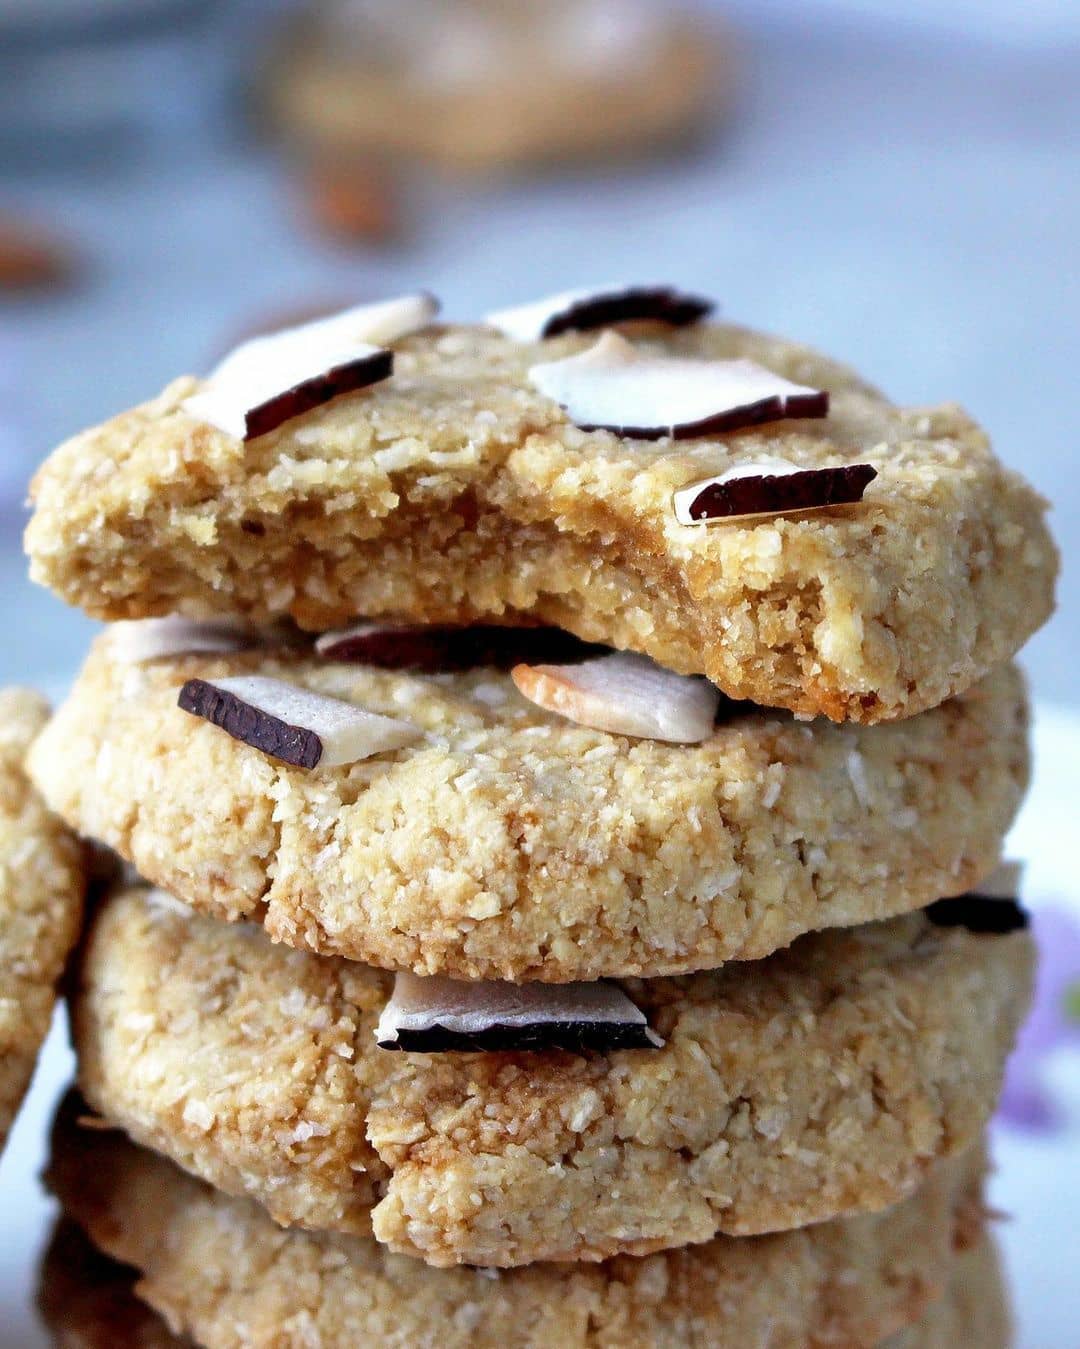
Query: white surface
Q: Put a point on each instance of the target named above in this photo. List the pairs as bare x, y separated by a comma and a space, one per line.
1038, 1180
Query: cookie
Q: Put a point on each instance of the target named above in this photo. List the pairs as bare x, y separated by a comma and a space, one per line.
455, 491
824, 1081
41, 894
512, 843
974, 1314
89, 1302
490, 88
219, 1270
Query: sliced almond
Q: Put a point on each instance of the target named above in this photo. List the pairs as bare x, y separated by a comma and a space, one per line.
291, 723
435, 649
270, 380
770, 488
436, 1015
625, 694
583, 310
133, 641
615, 386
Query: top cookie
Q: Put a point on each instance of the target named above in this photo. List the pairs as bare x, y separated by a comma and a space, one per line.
41, 892
455, 491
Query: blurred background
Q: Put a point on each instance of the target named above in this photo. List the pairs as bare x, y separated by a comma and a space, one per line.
897, 184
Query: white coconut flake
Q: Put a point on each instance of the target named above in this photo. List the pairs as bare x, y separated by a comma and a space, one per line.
615, 386
304, 366
438, 1009
292, 723
133, 641
625, 694
580, 310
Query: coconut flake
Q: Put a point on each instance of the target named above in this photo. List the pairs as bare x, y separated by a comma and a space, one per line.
615, 386
583, 310
292, 723
437, 1014
993, 906
1002, 883
437, 649
272, 379
134, 641
626, 694
770, 487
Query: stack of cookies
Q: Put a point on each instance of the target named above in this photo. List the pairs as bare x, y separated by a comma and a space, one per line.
560, 764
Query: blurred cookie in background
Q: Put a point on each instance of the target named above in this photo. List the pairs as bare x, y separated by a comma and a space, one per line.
490, 86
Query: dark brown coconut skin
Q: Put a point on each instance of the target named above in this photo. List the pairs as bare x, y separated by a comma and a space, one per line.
294, 744
660, 304
776, 409
979, 913
809, 489
575, 1037
314, 392
441, 650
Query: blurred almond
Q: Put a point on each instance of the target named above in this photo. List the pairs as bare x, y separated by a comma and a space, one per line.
30, 257
352, 202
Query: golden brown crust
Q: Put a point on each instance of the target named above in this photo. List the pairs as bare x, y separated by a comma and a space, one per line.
456, 492
513, 844
41, 894
823, 1081
219, 1269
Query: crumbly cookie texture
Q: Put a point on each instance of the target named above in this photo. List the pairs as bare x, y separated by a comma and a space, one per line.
520, 108
511, 843
218, 1269
41, 894
455, 492
89, 1302
823, 1081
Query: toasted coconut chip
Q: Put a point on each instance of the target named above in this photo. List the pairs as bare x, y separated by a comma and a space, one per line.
272, 379
133, 641
625, 694
615, 386
435, 649
436, 1014
582, 310
770, 488
292, 723
993, 907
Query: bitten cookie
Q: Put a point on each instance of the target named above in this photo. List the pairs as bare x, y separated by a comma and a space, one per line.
454, 489
508, 842
219, 1270
824, 1081
486, 88
41, 894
